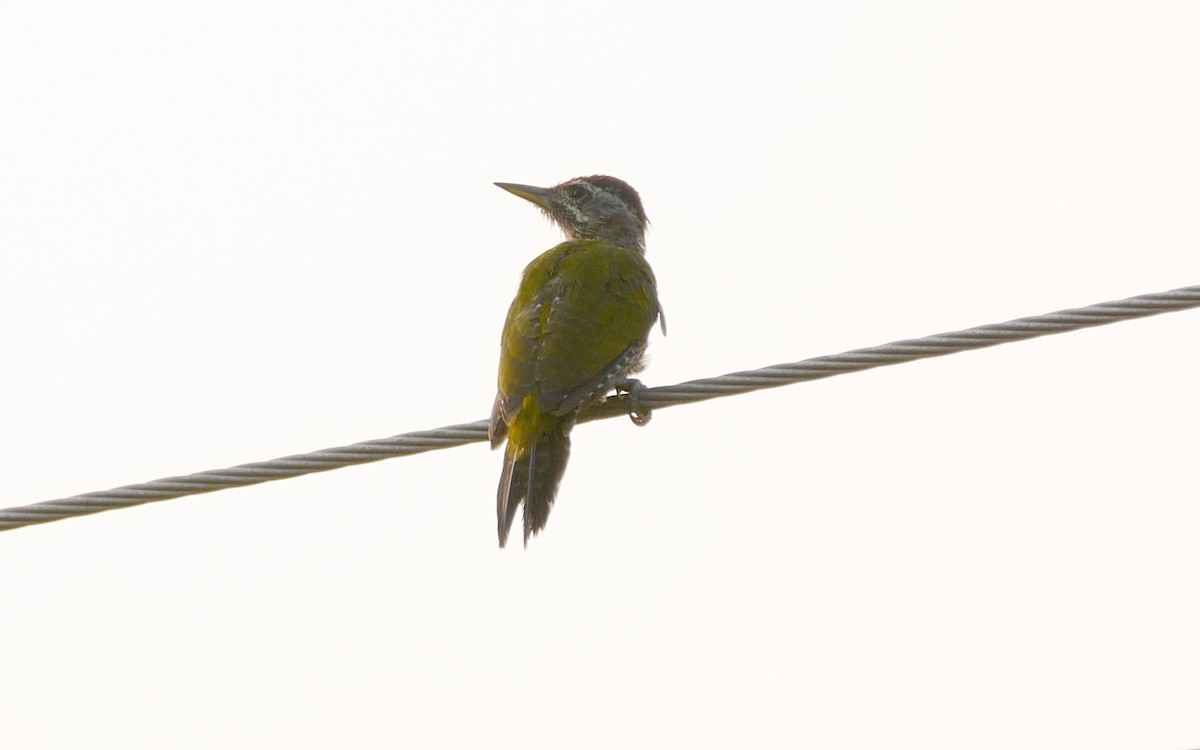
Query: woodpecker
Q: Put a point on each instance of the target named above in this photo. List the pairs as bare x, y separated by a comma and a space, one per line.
576, 330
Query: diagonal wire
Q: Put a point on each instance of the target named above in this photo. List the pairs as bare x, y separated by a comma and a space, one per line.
656, 398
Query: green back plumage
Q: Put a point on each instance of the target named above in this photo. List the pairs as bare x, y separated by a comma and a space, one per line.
580, 308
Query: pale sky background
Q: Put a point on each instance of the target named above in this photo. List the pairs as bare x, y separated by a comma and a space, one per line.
231, 231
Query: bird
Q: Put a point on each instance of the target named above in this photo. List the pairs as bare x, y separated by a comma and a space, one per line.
577, 329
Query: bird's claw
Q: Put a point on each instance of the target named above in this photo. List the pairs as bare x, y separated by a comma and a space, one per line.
631, 388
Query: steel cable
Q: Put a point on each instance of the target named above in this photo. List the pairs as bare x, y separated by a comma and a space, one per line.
654, 398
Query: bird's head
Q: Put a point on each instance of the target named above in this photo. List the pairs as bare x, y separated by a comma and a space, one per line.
591, 208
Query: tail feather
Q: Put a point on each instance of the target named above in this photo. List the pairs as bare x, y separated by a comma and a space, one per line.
507, 501
531, 479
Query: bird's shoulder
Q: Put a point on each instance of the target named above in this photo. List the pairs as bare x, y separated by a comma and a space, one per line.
588, 284
584, 261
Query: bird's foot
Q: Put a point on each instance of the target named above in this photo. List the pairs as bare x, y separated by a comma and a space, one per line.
631, 388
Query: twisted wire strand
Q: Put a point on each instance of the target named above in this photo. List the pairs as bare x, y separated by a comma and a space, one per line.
655, 398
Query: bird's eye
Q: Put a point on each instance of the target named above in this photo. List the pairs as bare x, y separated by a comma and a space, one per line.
578, 193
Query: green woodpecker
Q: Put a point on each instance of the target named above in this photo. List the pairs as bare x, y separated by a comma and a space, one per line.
576, 330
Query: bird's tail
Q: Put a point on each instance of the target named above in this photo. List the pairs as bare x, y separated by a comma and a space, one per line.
534, 461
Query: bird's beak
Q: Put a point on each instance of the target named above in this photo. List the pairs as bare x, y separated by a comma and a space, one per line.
538, 196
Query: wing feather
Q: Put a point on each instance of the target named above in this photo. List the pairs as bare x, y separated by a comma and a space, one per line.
579, 322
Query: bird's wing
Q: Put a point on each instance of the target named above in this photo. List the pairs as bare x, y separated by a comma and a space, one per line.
521, 342
598, 310
579, 322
